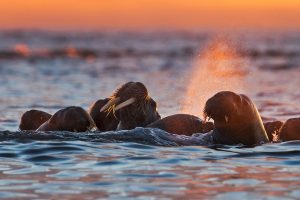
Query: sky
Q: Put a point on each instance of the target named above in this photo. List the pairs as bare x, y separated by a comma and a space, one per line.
150, 14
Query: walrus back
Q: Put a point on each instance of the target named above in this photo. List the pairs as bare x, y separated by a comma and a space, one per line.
181, 124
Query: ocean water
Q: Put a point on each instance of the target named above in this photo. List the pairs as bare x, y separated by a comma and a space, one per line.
52, 70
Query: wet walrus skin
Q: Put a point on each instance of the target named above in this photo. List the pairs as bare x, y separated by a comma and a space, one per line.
290, 130
132, 106
104, 121
33, 119
182, 124
73, 118
236, 119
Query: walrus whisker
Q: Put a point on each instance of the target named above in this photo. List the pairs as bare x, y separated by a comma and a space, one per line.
114, 111
125, 103
109, 110
110, 103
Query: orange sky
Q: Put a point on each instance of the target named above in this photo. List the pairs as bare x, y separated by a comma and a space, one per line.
150, 14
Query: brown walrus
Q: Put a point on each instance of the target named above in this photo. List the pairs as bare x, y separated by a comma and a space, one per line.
33, 119
104, 121
236, 119
290, 130
73, 118
182, 124
132, 106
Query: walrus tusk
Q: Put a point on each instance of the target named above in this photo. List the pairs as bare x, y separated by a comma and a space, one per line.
110, 103
206, 118
226, 119
92, 126
125, 103
93, 129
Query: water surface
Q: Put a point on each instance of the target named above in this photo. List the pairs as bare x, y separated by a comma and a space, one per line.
48, 71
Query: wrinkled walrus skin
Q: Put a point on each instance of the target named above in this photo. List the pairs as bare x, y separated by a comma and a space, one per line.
236, 119
33, 119
74, 119
132, 106
290, 130
182, 124
105, 121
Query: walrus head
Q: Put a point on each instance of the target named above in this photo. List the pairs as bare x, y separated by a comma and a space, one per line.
73, 118
236, 119
133, 106
290, 130
33, 119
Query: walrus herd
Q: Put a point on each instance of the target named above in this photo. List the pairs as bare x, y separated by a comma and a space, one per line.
236, 118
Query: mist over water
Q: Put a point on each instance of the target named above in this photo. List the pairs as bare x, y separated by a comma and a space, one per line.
219, 67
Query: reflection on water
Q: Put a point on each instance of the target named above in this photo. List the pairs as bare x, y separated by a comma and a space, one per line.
48, 71
43, 169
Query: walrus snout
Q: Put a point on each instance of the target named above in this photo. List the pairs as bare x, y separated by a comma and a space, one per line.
222, 107
104, 121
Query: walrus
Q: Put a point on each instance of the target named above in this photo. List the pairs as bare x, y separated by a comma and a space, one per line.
272, 128
33, 119
182, 124
132, 106
73, 119
236, 119
104, 121
290, 130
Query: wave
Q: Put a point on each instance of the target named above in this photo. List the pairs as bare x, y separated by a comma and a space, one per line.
149, 136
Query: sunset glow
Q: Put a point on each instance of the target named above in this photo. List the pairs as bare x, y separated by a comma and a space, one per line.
149, 14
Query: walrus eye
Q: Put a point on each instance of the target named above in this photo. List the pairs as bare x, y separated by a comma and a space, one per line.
125, 103
110, 103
